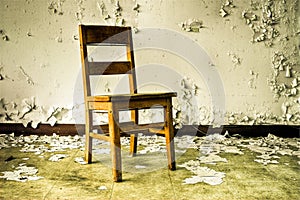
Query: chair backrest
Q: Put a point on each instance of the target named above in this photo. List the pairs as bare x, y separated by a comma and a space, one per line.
96, 35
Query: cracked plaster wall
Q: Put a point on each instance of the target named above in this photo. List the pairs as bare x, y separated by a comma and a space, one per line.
253, 45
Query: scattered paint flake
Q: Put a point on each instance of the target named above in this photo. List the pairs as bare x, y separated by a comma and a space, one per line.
265, 162
28, 78
233, 149
211, 180
29, 113
285, 152
234, 58
267, 156
56, 7
54, 143
191, 25
294, 83
264, 25
119, 21
211, 159
269, 148
203, 174
79, 13
215, 137
103, 187
225, 8
103, 10
59, 39
223, 12
107, 88
21, 174
140, 167
2, 76
136, 8
4, 36
135, 29
80, 160
29, 34
57, 157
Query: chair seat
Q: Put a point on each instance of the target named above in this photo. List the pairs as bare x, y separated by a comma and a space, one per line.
126, 97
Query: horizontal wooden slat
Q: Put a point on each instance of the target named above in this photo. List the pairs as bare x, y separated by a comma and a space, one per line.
141, 104
157, 131
126, 97
130, 127
109, 68
104, 34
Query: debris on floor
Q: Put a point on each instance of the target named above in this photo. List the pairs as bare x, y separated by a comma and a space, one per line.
22, 173
211, 159
211, 148
268, 149
57, 157
103, 187
233, 150
80, 160
54, 143
151, 144
202, 174
265, 162
140, 167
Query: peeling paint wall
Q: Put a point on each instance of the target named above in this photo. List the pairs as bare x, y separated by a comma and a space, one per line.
253, 46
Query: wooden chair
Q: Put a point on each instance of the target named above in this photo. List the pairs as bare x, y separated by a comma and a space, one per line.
92, 35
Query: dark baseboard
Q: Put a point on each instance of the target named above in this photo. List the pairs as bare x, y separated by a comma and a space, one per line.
243, 130
42, 129
254, 130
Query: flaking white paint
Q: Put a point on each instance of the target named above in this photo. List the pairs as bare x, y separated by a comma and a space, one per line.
39, 57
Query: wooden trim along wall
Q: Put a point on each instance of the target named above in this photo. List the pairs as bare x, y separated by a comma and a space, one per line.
243, 130
42, 129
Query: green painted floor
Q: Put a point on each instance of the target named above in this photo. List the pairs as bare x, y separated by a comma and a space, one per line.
146, 176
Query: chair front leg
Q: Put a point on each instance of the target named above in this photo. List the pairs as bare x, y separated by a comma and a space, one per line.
114, 131
169, 134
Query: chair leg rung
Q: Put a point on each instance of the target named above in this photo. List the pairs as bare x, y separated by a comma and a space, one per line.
100, 137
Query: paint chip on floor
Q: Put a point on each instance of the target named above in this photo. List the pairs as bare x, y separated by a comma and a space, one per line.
211, 159
103, 187
202, 174
57, 157
140, 167
22, 174
80, 160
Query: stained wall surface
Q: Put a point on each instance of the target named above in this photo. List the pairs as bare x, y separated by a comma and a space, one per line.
231, 62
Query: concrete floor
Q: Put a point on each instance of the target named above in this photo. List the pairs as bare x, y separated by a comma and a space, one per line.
146, 176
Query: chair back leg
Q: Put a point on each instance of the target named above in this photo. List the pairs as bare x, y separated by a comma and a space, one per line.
133, 144
88, 139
